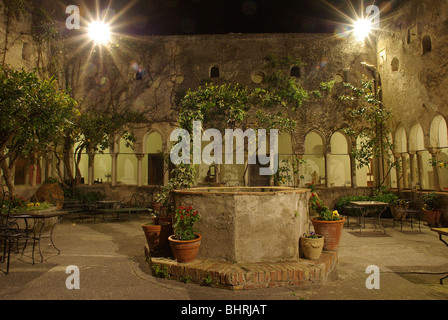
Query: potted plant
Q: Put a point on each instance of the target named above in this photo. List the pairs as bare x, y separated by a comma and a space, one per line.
431, 209
157, 233
312, 245
185, 242
329, 224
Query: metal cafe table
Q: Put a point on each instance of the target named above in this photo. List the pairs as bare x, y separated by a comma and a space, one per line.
40, 227
371, 207
442, 232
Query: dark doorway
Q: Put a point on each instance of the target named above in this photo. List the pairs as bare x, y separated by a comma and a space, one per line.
257, 180
155, 170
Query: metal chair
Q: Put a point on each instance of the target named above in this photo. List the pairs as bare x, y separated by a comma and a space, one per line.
10, 231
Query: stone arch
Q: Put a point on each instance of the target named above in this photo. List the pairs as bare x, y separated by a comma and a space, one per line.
148, 148
416, 138
439, 142
400, 139
340, 164
439, 132
315, 149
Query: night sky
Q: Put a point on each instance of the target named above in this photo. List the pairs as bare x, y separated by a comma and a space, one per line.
168, 17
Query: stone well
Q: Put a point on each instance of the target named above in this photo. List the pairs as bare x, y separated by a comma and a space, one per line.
249, 224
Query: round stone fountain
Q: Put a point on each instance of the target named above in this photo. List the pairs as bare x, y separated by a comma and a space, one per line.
249, 224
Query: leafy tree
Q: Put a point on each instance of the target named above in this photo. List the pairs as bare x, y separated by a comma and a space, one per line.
33, 113
92, 131
368, 119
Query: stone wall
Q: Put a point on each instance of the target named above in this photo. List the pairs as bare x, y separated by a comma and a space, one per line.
414, 78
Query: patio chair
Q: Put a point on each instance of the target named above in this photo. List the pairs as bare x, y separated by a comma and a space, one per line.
409, 211
10, 231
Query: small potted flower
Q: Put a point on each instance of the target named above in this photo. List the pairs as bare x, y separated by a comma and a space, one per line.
185, 242
431, 208
311, 245
328, 223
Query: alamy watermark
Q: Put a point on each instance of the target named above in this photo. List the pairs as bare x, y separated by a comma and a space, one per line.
73, 280
73, 20
213, 152
373, 280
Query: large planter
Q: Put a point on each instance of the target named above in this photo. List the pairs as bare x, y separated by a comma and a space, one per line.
157, 234
398, 212
331, 230
312, 248
432, 217
185, 251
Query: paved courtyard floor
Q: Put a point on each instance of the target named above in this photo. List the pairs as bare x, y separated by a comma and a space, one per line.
111, 260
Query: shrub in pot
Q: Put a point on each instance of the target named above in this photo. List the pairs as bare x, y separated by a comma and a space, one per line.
329, 224
431, 208
185, 242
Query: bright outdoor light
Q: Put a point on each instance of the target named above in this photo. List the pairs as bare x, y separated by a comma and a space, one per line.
362, 28
99, 32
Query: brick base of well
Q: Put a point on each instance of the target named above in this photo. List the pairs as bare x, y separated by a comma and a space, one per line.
244, 276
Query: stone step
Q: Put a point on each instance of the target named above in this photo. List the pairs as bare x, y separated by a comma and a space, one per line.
244, 276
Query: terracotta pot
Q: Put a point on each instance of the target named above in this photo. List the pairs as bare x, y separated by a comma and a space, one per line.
312, 248
397, 212
152, 234
156, 206
185, 251
331, 230
432, 217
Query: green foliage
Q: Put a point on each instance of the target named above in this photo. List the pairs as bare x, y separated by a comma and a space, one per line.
283, 175
33, 111
368, 119
380, 195
33, 114
431, 201
184, 220
318, 205
12, 203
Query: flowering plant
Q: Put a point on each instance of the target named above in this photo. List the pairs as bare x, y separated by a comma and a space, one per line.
325, 214
311, 235
184, 220
14, 202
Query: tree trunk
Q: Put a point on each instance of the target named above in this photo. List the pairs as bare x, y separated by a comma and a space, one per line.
8, 178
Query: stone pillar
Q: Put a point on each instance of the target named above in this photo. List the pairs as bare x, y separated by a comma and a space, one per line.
114, 172
91, 164
33, 173
139, 168
404, 168
166, 164
48, 166
298, 159
420, 169
435, 157
327, 168
397, 157
412, 169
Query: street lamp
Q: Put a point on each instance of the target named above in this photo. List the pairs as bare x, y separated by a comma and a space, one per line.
362, 28
99, 31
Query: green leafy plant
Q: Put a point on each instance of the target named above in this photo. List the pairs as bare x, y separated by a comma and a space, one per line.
311, 235
368, 121
184, 220
431, 201
325, 214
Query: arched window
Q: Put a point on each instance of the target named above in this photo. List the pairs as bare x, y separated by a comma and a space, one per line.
395, 65
340, 171
426, 44
295, 72
314, 168
214, 72
154, 169
439, 139
27, 51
